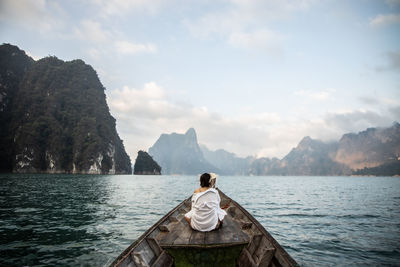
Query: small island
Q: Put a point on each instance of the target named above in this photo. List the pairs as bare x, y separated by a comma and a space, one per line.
145, 165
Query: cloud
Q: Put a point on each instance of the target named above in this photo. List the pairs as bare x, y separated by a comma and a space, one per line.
245, 24
124, 47
37, 15
369, 100
35, 57
92, 31
315, 95
148, 102
122, 7
395, 112
384, 20
99, 39
257, 39
392, 62
357, 120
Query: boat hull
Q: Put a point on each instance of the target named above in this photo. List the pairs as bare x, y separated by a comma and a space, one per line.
242, 241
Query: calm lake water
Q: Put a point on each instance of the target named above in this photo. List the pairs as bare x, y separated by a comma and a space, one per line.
48, 220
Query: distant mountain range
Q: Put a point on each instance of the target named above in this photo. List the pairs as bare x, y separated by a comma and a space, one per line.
375, 151
54, 118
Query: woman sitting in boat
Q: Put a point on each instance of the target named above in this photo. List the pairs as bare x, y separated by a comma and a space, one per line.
206, 214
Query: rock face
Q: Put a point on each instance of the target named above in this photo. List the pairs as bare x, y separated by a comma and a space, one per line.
180, 154
57, 117
370, 148
145, 165
228, 163
312, 157
14, 63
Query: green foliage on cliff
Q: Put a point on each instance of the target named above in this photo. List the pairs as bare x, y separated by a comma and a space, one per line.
14, 63
387, 169
145, 164
60, 121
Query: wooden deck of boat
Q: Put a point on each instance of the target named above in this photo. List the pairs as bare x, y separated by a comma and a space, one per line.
181, 234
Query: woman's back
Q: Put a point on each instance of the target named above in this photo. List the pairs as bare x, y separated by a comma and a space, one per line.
206, 212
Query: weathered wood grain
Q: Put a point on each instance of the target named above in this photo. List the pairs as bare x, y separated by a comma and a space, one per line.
196, 238
172, 235
184, 236
164, 260
245, 259
153, 244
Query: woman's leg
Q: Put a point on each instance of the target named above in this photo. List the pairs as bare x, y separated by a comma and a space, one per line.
219, 225
188, 220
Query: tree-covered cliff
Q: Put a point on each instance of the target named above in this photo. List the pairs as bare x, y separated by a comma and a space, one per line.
14, 63
145, 164
59, 120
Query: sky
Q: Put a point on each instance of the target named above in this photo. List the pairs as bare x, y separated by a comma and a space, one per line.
252, 77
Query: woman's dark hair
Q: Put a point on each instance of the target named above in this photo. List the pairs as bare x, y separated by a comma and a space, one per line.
205, 180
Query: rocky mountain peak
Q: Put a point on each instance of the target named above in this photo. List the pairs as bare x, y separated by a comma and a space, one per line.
191, 133
191, 138
305, 143
180, 154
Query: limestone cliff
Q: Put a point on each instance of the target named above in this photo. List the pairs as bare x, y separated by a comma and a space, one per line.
58, 118
180, 154
370, 148
145, 165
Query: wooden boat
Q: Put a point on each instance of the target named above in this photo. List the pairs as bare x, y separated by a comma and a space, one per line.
241, 241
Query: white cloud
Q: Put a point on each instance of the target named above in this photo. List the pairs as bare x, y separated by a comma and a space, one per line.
124, 47
315, 95
369, 100
99, 39
257, 39
216, 24
35, 57
37, 15
272, 8
356, 120
92, 31
149, 100
122, 7
245, 23
384, 20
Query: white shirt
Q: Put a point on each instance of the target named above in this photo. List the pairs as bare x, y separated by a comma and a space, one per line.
205, 211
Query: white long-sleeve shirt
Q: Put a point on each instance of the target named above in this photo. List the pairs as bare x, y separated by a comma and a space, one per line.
205, 211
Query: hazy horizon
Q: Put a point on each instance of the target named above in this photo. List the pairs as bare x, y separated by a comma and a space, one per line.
252, 77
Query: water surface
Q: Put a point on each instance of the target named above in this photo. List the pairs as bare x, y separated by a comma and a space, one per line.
89, 220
